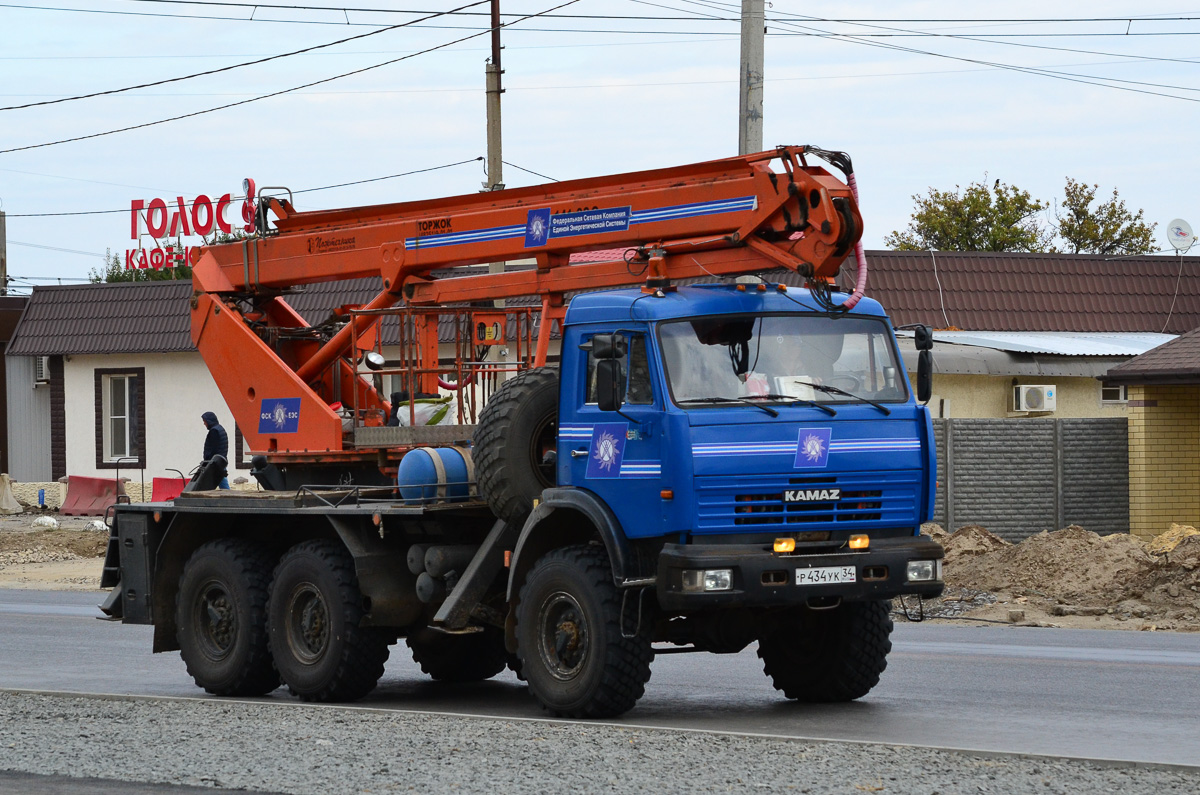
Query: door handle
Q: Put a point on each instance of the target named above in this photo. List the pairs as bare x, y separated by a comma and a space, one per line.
579, 453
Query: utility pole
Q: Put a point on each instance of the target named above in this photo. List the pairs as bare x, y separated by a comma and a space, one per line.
750, 78
495, 163
3, 256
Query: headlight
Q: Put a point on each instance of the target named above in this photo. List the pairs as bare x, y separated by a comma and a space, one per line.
696, 580
923, 570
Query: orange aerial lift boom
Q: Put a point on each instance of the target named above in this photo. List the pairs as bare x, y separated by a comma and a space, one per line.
722, 217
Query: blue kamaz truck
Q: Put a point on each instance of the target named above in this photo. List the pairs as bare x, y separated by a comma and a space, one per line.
705, 468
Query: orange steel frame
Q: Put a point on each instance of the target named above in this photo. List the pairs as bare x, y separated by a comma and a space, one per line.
257, 347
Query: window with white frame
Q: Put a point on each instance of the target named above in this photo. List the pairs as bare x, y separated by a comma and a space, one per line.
119, 416
1113, 393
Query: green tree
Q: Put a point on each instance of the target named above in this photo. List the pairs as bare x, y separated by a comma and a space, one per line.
1108, 229
1000, 218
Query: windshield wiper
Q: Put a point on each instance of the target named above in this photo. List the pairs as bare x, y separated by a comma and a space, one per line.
748, 402
836, 391
792, 399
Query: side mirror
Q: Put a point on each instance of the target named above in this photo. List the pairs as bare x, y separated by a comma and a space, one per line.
924, 376
923, 338
609, 346
610, 384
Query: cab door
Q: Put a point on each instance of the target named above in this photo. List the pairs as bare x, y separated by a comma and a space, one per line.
618, 454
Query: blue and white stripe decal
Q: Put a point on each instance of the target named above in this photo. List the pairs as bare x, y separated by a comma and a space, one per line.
641, 469
695, 210
460, 238
789, 448
629, 469
575, 433
513, 231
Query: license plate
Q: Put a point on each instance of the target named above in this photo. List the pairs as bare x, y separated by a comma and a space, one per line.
826, 575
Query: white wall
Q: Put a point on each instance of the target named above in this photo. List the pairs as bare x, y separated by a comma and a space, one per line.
178, 390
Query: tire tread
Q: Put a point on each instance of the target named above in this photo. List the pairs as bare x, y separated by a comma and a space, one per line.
627, 660
855, 655
258, 675
365, 649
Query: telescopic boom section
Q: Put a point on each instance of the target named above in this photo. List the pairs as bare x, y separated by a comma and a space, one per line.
731, 216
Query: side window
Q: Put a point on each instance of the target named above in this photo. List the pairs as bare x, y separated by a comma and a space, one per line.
638, 391
636, 369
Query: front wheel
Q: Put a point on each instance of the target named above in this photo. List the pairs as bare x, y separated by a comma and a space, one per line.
221, 618
829, 655
570, 644
314, 618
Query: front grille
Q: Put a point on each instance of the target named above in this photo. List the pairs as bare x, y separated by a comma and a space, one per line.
878, 498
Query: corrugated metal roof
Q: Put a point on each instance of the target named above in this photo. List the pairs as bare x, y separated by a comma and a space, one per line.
950, 359
985, 291
1061, 343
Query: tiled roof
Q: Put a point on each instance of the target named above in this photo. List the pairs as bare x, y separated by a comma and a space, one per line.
123, 317
1177, 362
979, 291
983, 291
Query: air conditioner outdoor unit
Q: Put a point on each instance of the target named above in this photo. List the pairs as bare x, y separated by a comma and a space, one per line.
1034, 397
41, 369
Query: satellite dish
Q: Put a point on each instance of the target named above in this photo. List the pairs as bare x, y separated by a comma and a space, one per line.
1179, 232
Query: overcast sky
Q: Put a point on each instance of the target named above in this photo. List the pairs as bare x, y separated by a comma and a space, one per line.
585, 96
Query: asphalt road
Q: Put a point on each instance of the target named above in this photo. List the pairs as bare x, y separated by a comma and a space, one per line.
1127, 696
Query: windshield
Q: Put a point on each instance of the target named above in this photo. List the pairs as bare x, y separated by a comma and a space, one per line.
781, 358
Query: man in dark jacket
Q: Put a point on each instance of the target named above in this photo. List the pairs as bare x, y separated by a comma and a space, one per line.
216, 443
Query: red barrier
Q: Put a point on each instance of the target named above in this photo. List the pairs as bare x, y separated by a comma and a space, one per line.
167, 489
90, 496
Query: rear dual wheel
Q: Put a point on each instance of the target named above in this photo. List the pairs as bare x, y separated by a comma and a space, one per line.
314, 616
221, 618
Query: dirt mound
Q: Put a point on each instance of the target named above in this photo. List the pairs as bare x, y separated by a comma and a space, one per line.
1072, 565
1162, 544
75, 543
969, 541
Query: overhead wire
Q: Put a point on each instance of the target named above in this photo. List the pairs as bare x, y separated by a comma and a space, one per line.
228, 105
1066, 76
239, 198
238, 65
56, 248
528, 171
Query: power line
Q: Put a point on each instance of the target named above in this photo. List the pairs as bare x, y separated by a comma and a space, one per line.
390, 176
991, 39
56, 248
272, 94
1092, 80
615, 17
528, 171
239, 198
239, 65
346, 9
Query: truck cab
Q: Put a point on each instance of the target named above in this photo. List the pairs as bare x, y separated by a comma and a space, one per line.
749, 419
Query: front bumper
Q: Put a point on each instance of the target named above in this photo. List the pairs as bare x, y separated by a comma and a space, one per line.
763, 578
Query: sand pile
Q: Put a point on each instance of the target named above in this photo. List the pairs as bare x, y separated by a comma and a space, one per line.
1161, 545
1076, 573
1072, 564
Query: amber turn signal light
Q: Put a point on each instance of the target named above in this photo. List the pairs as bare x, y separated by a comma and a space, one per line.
667, 494
785, 544
860, 542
